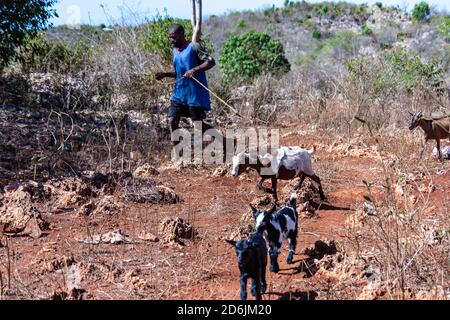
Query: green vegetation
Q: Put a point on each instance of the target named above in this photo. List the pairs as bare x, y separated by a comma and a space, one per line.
246, 56
42, 55
240, 24
379, 5
155, 37
19, 21
289, 4
396, 70
365, 30
421, 11
444, 28
316, 34
342, 43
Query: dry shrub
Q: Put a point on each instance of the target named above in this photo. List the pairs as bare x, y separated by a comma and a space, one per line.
409, 246
144, 190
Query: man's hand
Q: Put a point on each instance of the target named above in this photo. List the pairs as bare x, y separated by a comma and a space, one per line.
160, 75
190, 73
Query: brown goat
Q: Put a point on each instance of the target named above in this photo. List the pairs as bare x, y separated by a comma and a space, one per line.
436, 129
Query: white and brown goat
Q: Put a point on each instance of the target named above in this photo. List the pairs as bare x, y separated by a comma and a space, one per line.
289, 163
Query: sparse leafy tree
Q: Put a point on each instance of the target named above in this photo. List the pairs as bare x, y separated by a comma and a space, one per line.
444, 28
421, 11
19, 20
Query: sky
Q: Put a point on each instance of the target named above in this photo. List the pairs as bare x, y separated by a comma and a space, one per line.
95, 12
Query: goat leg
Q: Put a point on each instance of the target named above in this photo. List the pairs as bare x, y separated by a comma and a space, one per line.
292, 246
263, 279
259, 185
273, 254
274, 189
300, 183
438, 145
317, 180
257, 287
424, 143
243, 287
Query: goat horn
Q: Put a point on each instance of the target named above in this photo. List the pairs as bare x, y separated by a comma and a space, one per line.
232, 242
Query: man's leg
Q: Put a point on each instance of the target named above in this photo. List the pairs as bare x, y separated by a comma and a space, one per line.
173, 125
174, 115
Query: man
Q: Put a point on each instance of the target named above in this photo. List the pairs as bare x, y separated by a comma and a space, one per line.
189, 98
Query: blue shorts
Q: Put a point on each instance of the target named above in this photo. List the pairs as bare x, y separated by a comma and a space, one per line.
177, 110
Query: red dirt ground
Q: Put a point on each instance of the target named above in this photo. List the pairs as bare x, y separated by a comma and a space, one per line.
205, 268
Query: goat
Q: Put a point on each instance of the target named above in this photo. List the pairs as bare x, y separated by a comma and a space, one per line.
290, 162
436, 129
252, 261
278, 227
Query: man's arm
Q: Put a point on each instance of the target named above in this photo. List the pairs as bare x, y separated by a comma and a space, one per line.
162, 75
208, 62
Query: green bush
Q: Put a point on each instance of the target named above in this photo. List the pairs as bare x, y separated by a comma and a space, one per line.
365, 30
289, 4
395, 71
155, 37
316, 34
421, 11
20, 20
240, 24
411, 72
246, 56
41, 55
379, 5
444, 28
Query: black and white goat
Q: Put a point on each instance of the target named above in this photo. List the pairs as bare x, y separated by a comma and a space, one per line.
279, 226
252, 261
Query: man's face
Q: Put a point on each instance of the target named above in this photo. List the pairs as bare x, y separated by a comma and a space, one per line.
177, 39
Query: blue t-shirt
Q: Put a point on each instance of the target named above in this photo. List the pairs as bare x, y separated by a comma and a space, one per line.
187, 91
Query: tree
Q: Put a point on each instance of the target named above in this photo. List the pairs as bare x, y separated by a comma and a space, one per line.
246, 56
19, 20
421, 11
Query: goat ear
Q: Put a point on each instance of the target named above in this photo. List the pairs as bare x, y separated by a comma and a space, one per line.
272, 210
232, 242
412, 114
254, 210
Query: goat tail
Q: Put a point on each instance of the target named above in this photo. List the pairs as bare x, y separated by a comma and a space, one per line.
293, 200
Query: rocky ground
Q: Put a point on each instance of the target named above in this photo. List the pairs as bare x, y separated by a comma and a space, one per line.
158, 232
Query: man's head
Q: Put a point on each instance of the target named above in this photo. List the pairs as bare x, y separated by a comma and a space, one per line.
177, 35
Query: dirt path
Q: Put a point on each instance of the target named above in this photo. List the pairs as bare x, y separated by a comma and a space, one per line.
204, 268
